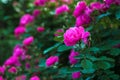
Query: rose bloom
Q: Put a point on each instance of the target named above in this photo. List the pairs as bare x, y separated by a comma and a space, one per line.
51, 60
83, 19
96, 6
61, 9
18, 51
28, 41
79, 9
12, 61
36, 12
40, 29
109, 2
39, 2
73, 35
72, 57
1, 78
85, 36
26, 19
76, 75
35, 78
2, 69
19, 31
12, 70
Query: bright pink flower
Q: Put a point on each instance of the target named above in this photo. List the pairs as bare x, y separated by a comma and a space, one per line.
39, 2
18, 51
96, 6
51, 60
36, 12
85, 36
35, 78
27, 65
22, 77
26, 19
12, 61
76, 75
109, 2
72, 57
88, 11
2, 70
19, 30
61, 9
58, 31
12, 70
117, 2
79, 9
1, 78
73, 35
83, 19
40, 29
28, 41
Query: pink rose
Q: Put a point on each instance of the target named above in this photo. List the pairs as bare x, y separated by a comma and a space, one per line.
109, 2
35, 78
73, 35
40, 29
18, 51
85, 36
2, 70
61, 9
19, 31
39, 2
28, 41
12, 70
36, 12
12, 61
79, 9
76, 75
96, 6
51, 60
1, 78
88, 11
83, 19
72, 57
26, 19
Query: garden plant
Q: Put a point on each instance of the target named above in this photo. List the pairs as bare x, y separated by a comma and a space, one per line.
61, 40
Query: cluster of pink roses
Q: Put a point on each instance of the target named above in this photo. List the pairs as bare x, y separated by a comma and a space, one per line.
72, 36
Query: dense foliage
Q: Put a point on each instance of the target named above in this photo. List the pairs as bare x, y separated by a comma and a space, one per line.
60, 40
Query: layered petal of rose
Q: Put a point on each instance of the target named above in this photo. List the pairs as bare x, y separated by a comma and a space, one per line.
76, 75
51, 60
79, 9
72, 57
61, 9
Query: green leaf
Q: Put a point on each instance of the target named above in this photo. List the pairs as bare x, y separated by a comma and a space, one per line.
59, 38
73, 69
95, 49
115, 52
51, 48
63, 48
103, 15
102, 65
117, 14
104, 58
87, 66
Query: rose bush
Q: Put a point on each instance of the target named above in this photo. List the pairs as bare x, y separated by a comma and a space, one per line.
65, 40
